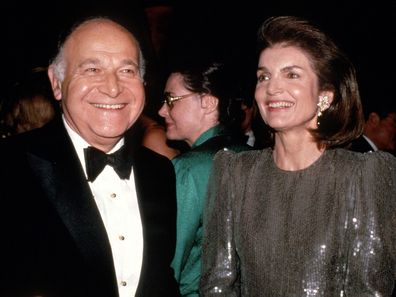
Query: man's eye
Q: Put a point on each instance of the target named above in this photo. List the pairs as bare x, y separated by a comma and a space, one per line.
92, 69
129, 71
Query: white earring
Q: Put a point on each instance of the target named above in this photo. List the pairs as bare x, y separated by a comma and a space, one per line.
323, 104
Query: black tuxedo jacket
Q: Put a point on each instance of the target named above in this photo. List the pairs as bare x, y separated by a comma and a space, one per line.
54, 243
361, 145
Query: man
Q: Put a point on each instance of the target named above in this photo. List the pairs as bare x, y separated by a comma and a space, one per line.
379, 130
68, 229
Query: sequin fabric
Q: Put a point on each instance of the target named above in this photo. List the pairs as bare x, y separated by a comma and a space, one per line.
327, 230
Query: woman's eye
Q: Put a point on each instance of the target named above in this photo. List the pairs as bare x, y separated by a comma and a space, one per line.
262, 77
292, 75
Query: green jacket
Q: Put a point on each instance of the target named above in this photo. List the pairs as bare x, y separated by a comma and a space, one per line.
193, 169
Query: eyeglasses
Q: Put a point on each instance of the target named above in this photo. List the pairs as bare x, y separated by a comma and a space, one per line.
169, 99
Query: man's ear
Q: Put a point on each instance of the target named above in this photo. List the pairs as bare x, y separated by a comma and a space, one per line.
55, 83
209, 103
373, 119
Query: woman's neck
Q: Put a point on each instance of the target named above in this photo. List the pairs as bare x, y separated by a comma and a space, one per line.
295, 152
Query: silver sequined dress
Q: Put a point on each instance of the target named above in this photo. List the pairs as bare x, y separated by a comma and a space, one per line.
327, 230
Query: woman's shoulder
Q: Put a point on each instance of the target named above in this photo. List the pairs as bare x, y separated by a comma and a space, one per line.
371, 163
246, 158
377, 157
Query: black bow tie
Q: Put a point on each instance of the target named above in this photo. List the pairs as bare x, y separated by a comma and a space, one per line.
96, 160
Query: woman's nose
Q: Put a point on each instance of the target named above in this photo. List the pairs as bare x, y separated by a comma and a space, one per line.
274, 86
163, 111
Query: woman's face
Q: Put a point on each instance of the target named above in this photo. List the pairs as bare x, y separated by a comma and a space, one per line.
287, 89
184, 118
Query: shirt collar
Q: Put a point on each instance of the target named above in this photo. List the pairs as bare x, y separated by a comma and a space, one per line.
80, 143
375, 148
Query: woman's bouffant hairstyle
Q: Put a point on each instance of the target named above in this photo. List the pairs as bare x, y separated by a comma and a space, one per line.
343, 121
214, 78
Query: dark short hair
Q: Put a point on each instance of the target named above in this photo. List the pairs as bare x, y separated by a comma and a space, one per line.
215, 78
343, 121
381, 105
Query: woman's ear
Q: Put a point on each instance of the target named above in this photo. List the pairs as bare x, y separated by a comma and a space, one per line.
209, 103
328, 94
55, 83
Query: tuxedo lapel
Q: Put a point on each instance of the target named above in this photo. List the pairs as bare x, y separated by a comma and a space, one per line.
361, 145
156, 192
61, 175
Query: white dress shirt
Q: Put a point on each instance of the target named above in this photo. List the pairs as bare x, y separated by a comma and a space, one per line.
118, 206
251, 138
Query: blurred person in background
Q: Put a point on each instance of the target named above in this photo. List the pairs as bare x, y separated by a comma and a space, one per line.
379, 131
30, 105
200, 108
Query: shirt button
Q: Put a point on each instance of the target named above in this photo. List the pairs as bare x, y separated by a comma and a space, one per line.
113, 195
121, 237
123, 283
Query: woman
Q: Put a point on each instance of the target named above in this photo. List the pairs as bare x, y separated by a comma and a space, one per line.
200, 108
304, 218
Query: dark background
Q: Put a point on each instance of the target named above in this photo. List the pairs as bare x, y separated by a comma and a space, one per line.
226, 30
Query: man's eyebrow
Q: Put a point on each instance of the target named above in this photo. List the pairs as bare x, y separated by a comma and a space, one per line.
89, 62
129, 62
92, 61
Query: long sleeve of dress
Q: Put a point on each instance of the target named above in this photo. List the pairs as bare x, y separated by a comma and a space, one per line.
371, 234
220, 262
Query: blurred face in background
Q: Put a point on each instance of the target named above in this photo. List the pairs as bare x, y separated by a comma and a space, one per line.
382, 131
248, 117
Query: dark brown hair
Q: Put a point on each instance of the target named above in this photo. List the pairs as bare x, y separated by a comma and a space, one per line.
215, 78
343, 120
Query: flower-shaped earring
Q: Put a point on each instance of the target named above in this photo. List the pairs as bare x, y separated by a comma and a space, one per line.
323, 104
